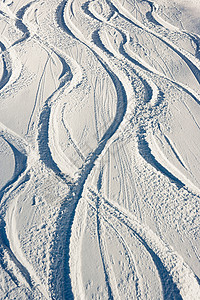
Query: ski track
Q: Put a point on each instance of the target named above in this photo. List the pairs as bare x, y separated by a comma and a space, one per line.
20, 167
90, 160
169, 287
6, 66
148, 84
126, 73
172, 178
6, 238
188, 58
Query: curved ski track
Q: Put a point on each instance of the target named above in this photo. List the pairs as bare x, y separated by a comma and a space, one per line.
137, 97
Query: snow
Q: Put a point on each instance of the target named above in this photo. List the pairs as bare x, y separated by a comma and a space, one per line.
99, 149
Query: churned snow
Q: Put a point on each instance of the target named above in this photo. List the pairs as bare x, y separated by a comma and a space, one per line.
99, 149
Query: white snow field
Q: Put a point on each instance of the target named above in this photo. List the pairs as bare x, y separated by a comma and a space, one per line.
99, 149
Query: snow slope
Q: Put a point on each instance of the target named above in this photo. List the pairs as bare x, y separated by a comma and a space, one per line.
99, 149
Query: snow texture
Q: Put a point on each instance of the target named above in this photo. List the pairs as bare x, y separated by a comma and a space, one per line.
99, 149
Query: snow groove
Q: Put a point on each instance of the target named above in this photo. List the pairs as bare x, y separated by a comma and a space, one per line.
7, 70
170, 265
100, 199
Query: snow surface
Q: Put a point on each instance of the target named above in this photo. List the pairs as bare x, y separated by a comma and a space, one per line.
99, 149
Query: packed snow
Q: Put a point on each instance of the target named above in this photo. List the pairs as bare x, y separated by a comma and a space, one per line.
99, 149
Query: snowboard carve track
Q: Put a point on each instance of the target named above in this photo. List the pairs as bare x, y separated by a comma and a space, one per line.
90, 160
10, 245
158, 251
7, 71
149, 86
98, 28
97, 153
16, 254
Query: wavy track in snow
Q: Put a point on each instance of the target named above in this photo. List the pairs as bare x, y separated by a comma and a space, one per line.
138, 99
90, 160
7, 72
165, 259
